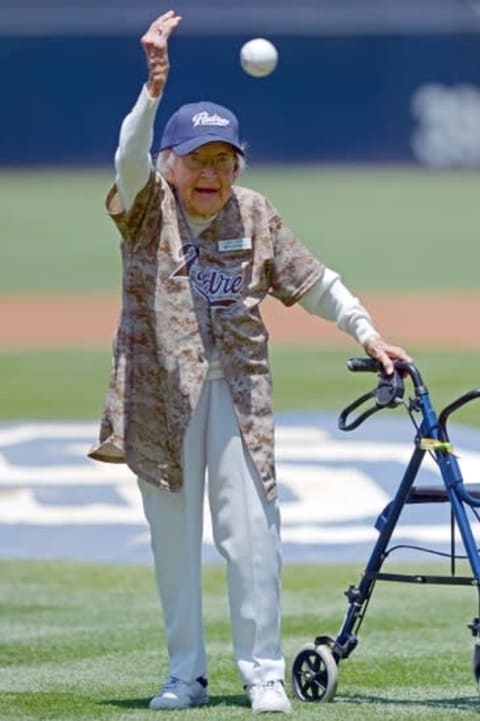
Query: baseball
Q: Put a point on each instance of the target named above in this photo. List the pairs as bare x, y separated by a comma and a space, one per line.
258, 57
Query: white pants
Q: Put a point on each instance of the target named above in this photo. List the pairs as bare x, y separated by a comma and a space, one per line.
246, 533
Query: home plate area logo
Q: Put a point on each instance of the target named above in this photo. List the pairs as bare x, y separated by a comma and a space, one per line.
55, 503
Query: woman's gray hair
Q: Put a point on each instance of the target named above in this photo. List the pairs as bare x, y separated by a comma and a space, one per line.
166, 158
164, 162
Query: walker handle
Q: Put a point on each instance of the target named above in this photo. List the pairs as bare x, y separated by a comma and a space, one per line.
363, 365
402, 367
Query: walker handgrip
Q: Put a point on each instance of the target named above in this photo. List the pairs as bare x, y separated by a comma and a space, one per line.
364, 365
402, 367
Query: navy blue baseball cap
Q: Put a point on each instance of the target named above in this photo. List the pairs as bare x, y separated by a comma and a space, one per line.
196, 124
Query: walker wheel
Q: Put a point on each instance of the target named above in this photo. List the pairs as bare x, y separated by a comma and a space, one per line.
314, 674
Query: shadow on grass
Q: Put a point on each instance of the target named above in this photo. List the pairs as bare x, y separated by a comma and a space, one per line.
142, 703
468, 703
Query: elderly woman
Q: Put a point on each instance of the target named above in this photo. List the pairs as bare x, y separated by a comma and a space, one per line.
190, 391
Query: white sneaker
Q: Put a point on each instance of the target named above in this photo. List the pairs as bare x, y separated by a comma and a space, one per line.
269, 697
180, 694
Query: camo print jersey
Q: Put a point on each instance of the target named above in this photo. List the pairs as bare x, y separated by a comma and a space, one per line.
181, 298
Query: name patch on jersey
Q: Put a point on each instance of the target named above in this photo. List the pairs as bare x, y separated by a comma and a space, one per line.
232, 244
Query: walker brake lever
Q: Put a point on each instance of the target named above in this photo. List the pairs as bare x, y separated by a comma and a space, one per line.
390, 390
388, 393
342, 420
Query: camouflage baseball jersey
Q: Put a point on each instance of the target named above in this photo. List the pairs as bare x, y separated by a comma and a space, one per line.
181, 298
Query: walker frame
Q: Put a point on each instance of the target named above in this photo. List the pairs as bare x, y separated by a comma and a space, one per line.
314, 672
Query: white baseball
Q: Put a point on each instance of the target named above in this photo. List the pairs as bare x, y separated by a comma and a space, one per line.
258, 57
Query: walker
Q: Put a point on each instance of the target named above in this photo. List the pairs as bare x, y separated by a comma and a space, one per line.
314, 672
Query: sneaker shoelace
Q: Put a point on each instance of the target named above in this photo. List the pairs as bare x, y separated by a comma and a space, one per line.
172, 683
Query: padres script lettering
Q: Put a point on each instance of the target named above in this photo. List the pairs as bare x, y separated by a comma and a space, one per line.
220, 288
205, 118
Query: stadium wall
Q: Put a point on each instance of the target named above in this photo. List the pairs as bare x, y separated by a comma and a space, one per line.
348, 99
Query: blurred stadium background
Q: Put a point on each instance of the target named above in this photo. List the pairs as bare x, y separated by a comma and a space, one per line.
365, 137
359, 81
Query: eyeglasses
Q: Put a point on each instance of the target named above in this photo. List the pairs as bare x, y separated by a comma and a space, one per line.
222, 163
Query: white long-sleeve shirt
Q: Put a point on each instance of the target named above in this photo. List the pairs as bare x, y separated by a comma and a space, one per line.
328, 298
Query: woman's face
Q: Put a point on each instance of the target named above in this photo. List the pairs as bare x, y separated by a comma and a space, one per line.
203, 179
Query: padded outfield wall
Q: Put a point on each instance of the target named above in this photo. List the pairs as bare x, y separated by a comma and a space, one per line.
333, 99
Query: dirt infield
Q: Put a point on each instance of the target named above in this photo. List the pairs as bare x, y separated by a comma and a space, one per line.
425, 320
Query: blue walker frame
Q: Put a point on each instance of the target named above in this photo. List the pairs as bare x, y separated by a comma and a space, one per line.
314, 672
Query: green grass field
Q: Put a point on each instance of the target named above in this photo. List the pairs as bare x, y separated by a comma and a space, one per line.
72, 384
383, 229
83, 641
